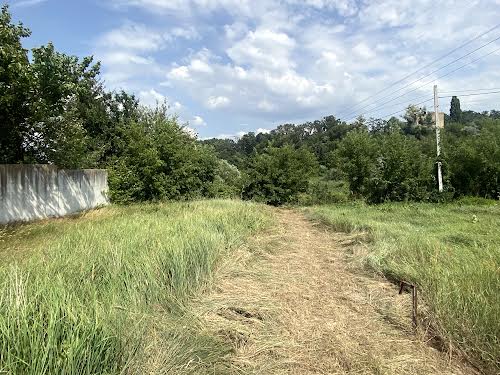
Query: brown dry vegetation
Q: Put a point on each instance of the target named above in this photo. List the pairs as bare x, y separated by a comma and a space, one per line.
294, 301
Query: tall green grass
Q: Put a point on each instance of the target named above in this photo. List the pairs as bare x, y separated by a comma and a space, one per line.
97, 292
452, 252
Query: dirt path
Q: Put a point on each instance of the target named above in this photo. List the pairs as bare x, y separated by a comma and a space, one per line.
291, 302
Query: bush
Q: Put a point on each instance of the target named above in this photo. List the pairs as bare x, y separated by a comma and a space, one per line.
227, 182
278, 175
157, 160
402, 171
323, 191
392, 167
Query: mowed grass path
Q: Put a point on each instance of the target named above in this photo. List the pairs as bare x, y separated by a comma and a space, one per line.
107, 292
452, 252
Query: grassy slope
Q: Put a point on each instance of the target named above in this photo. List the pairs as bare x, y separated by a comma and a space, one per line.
451, 251
109, 290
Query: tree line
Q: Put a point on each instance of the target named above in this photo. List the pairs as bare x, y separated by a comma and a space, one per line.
54, 108
372, 159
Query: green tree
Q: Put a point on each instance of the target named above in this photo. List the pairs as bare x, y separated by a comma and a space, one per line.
402, 171
14, 89
355, 157
279, 174
156, 159
55, 132
227, 182
474, 161
455, 111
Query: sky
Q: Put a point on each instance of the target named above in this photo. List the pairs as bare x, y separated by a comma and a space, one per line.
228, 67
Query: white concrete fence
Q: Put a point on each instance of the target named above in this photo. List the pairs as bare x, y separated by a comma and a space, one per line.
30, 192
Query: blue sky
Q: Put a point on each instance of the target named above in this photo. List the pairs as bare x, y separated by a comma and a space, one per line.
233, 66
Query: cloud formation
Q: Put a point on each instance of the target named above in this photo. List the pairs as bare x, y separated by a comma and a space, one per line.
266, 62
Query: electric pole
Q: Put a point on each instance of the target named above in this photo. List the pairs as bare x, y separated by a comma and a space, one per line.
438, 139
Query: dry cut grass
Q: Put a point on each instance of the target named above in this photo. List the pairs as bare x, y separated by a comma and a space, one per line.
451, 251
291, 302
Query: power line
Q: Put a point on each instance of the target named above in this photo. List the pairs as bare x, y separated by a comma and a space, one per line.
428, 100
479, 93
459, 91
425, 66
393, 105
427, 75
404, 109
425, 84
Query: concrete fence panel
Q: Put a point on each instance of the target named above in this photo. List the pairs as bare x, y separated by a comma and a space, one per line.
30, 192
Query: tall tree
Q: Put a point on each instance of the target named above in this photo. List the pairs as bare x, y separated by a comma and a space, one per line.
14, 88
455, 111
56, 132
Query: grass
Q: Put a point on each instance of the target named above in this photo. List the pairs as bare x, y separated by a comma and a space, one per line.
452, 252
109, 292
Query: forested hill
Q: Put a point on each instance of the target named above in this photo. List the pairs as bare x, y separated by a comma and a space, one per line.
386, 159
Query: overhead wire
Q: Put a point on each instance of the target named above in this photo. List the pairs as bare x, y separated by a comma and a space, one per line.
427, 75
431, 99
422, 68
433, 80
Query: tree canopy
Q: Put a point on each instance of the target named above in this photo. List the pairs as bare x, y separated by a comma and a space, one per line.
55, 109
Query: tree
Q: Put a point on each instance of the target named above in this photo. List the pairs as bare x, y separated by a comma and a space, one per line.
156, 159
40, 101
474, 161
414, 115
279, 174
455, 111
402, 171
14, 89
355, 157
55, 132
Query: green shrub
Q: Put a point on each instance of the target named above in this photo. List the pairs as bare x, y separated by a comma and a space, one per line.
278, 175
322, 191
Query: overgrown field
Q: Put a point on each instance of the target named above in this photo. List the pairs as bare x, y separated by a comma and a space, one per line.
108, 292
452, 252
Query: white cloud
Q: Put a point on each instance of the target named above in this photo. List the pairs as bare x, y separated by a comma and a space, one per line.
188, 33
151, 97
236, 30
123, 58
181, 72
293, 59
132, 37
177, 106
343, 7
198, 121
27, 3
265, 106
214, 102
188, 7
363, 51
200, 66
263, 48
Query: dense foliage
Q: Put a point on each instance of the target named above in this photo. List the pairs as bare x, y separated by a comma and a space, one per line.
277, 175
55, 109
393, 160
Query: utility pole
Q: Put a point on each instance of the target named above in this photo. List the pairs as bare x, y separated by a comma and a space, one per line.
438, 139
